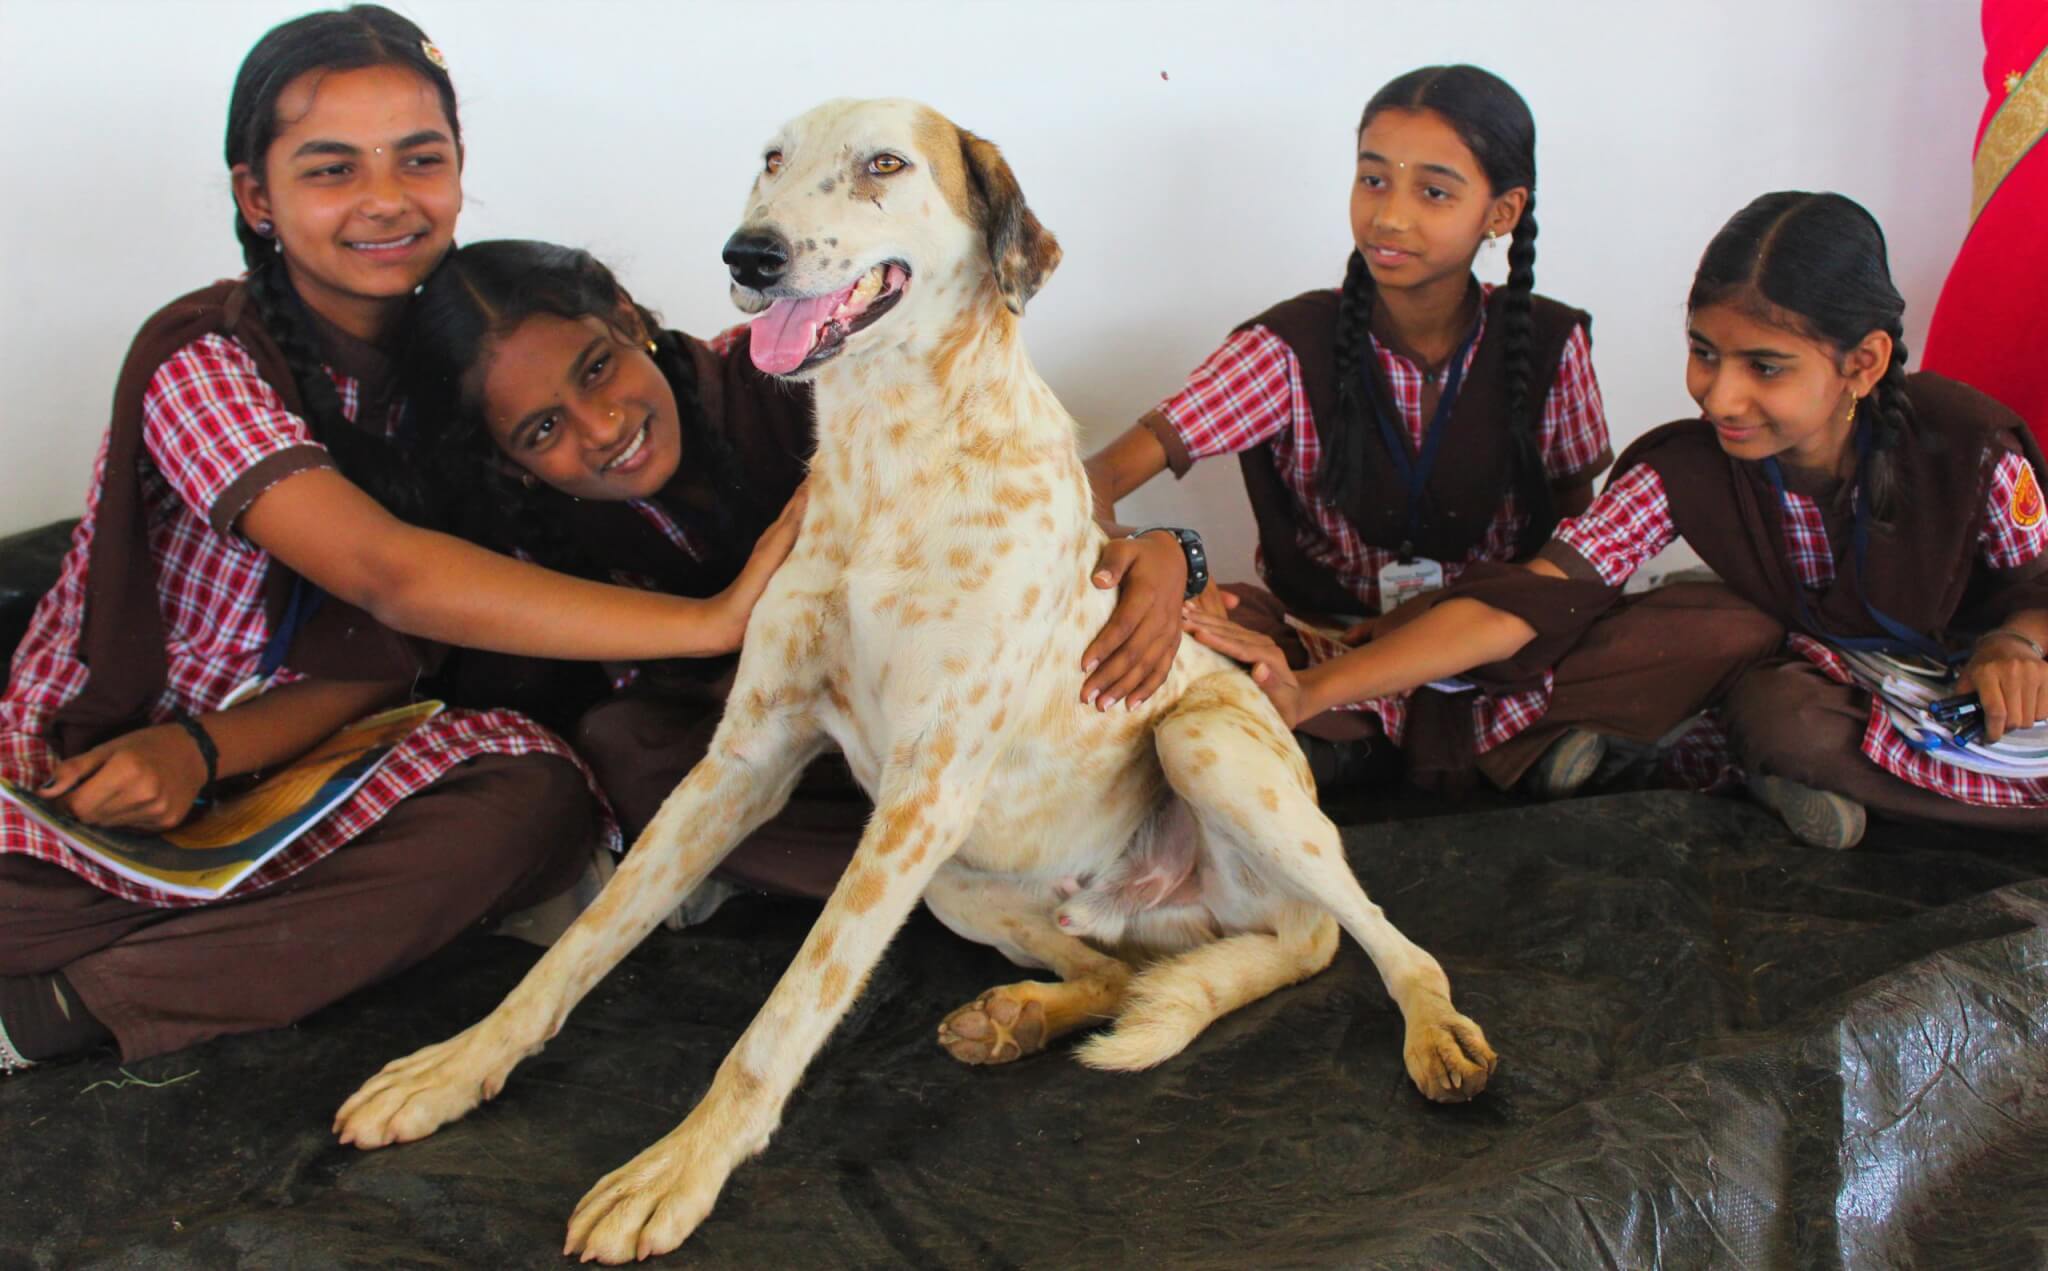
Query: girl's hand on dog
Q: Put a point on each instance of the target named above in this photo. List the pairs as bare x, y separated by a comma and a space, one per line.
735, 604
1129, 658
1214, 601
144, 780
1260, 655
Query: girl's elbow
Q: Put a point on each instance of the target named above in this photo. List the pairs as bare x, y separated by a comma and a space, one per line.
393, 591
1511, 634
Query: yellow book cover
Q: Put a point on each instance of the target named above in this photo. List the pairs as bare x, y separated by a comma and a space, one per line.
228, 841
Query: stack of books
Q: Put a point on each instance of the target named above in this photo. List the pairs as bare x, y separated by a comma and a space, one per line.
1920, 697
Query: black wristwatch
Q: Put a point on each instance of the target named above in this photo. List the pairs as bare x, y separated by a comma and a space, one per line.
1190, 547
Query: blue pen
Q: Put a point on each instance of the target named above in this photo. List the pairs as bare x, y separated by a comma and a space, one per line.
1951, 711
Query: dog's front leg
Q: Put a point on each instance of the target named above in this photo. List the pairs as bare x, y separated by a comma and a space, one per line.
755, 760
925, 807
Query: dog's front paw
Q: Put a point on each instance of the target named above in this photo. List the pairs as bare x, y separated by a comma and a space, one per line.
995, 1028
647, 1206
1447, 1056
414, 1096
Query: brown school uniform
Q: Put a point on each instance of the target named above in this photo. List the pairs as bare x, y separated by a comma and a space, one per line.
1631, 679
490, 817
644, 741
1925, 571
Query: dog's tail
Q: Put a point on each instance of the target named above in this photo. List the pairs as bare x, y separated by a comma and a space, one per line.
1171, 1002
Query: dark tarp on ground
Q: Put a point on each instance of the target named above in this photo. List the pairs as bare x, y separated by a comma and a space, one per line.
1718, 1049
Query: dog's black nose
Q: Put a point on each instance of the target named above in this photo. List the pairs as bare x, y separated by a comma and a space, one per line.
758, 259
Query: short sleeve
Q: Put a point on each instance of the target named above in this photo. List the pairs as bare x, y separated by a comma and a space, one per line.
1576, 447
2015, 529
1628, 524
219, 433
1243, 394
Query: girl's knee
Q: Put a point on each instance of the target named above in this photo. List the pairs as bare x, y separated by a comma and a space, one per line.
1782, 720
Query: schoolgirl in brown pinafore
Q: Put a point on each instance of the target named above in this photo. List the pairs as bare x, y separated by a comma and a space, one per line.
1861, 507
252, 544
1374, 466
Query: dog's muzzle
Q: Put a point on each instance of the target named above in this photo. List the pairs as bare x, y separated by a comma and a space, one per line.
757, 258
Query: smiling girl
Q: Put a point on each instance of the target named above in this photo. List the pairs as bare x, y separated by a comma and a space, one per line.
1860, 506
1397, 432
592, 440
248, 557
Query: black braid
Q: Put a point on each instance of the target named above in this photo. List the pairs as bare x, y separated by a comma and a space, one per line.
1531, 482
363, 455
1494, 123
364, 35
1891, 418
1347, 439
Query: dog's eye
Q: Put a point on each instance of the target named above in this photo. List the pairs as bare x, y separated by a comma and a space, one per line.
884, 164
772, 164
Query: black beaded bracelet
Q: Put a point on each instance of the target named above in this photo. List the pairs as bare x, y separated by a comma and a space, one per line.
207, 750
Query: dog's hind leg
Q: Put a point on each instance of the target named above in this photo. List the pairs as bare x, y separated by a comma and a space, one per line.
1226, 751
753, 765
1014, 1020
1169, 1003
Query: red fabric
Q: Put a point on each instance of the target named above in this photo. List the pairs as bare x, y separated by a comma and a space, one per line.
209, 417
1986, 330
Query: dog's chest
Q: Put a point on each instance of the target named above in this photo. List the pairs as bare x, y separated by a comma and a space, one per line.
944, 616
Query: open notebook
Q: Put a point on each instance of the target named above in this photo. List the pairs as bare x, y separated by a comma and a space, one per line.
229, 840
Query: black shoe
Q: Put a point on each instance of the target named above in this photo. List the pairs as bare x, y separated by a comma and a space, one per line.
1338, 765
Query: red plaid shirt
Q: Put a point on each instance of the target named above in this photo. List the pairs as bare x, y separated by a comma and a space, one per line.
1631, 522
209, 418
1249, 391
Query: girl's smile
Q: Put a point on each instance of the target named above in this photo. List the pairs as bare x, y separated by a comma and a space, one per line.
582, 407
1420, 202
1771, 391
361, 187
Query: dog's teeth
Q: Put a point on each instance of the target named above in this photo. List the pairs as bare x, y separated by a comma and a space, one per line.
869, 285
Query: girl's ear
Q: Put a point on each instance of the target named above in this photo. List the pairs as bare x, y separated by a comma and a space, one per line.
1866, 363
251, 199
1506, 212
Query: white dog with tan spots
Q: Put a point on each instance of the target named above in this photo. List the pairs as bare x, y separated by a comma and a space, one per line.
926, 623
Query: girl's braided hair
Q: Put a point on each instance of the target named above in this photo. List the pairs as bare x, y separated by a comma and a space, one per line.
1494, 122
355, 38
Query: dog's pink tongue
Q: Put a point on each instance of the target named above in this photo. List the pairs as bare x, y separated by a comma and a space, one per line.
783, 335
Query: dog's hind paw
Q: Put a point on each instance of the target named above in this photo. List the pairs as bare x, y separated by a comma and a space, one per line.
1448, 1058
995, 1028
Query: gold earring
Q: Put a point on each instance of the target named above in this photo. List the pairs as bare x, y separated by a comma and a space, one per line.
1852, 411
651, 347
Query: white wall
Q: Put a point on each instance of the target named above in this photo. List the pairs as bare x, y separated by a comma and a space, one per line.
1193, 158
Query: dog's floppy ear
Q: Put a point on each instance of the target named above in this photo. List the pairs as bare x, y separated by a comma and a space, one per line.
1022, 252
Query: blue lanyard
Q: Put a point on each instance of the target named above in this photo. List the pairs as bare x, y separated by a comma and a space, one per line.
1900, 635
304, 603
1415, 472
